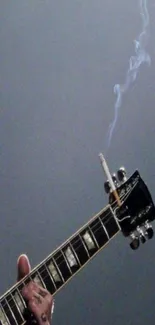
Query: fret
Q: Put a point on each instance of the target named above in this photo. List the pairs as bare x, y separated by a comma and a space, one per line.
55, 273
9, 312
110, 223
104, 228
89, 241
3, 317
14, 308
99, 232
61, 264
28, 279
19, 300
93, 236
19, 297
47, 278
80, 249
85, 246
37, 278
116, 219
66, 260
74, 253
71, 257
17, 307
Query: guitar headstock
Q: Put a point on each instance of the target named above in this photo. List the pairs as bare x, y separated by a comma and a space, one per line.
137, 209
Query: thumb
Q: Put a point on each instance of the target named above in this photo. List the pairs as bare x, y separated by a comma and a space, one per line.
23, 266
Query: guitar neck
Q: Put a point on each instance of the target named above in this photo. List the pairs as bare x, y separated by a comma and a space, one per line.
60, 266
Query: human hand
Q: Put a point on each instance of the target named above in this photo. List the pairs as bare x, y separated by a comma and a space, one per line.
39, 300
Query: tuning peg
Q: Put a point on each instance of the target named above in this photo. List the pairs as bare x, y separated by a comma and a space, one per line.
149, 230
149, 233
107, 187
135, 242
121, 174
142, 238
141, 235
115, 180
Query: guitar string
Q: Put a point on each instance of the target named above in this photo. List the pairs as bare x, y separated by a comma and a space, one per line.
31, 274
101, 221
33, 271
30, 277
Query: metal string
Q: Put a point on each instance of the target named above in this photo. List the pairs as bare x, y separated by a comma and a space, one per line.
113, 205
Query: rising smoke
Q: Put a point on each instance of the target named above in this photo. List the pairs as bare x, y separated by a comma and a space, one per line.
141, 56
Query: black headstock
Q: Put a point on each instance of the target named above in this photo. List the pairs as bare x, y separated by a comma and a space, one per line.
137, 209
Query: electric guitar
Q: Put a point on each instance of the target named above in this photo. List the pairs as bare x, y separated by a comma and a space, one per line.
132, 217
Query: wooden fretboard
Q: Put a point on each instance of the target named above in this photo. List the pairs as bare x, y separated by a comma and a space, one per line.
60, 266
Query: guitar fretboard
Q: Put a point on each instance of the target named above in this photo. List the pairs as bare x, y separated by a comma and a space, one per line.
59, 267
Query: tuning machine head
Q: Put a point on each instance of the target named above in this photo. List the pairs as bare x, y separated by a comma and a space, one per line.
141, 234
121, 174
137, 237
107, 187
149, 232
115, 179
135, 242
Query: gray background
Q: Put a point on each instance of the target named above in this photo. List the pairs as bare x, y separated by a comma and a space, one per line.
59, 61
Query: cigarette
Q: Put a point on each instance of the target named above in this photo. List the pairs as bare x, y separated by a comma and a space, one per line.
108, 175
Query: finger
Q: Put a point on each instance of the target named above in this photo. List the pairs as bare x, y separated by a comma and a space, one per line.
38, 304
43, 292
32, 287
23, 266
28, 294
38, 310
32, 290
29, 290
